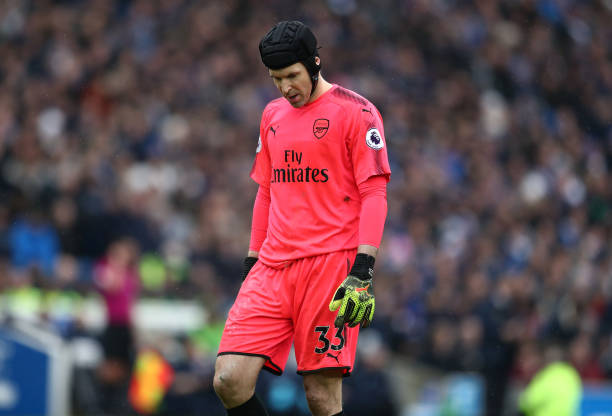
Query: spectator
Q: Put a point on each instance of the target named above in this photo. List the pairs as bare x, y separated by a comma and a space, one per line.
374, 357
555, 389
118, 282
34, 244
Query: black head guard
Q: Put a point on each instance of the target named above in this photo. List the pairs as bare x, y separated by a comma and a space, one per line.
290, 42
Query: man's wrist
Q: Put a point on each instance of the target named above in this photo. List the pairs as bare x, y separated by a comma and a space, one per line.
363, 267
247, 265
367, 249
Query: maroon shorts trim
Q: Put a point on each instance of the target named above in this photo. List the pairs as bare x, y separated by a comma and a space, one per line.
345, 373
268, 365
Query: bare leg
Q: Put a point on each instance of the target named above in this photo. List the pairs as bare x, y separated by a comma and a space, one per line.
324, 392
235, 378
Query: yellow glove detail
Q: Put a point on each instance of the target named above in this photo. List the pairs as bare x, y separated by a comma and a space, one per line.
354, 300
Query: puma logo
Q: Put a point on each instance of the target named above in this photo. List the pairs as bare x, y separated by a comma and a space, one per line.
362, 289
335, 357
273, 131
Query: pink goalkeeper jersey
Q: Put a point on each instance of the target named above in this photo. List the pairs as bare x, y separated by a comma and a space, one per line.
312, 158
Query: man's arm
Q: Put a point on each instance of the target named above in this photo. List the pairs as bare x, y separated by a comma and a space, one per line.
373, 193
354, 298
259, 228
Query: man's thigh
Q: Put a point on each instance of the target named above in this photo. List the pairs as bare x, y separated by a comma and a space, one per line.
259, 323
329, 380
319, 345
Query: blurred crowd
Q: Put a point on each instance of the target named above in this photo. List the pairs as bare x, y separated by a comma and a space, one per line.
128, 130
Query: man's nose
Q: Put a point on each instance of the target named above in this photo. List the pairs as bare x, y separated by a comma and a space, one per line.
285, 86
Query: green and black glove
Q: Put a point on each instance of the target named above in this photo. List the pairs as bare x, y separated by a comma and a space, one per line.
355, 296
247, 265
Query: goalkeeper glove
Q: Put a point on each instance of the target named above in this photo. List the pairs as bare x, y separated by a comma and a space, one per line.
354, 298
247, 265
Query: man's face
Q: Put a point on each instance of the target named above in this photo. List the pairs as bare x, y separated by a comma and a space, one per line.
294, 83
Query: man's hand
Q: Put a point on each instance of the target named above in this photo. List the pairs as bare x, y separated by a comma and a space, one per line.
354, 298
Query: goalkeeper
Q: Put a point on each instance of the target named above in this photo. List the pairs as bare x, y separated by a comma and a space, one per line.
322, 168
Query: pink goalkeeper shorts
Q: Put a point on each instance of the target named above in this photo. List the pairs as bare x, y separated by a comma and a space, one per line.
277, 307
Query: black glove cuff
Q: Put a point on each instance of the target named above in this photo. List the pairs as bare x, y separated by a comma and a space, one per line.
363, 268
247, 265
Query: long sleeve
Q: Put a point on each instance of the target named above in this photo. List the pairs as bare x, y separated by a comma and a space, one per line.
259, 226
373, 192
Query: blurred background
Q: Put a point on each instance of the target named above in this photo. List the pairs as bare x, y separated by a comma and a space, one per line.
127, 134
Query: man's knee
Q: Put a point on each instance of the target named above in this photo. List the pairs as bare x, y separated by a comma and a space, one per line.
235, 378
230, 382
226, 383
316, 395
324, 392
